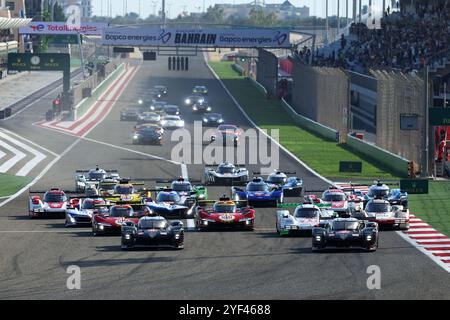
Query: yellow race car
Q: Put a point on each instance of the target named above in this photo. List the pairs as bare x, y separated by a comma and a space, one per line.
126, 191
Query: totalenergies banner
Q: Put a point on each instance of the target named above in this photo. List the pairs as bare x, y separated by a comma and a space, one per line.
52, 28
223, 38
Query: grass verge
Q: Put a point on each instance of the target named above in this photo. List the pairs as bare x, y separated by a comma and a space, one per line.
321, 155
10, 184
434, 207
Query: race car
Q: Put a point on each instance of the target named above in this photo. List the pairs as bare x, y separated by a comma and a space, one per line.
193, 99
148, 117
201, 107
111, 220
82, 181
80, 214
129, 114
170, 204
200, 90
153, 232
54, 201
184, 188
226, 174
258, 193
212, 119
155, 93
162, 89
227, 134
158, 106
106, 186
292, 186
382, 191
224, 214
303, 220
171, 110
386, 215
337, 199
126, 191
345, 233
148, 134
172, 122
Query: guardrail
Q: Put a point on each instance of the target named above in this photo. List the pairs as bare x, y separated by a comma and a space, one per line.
311, 125
258, 86
84, 104
395, 163
238, 69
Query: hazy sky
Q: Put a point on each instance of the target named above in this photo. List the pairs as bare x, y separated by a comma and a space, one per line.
174, 7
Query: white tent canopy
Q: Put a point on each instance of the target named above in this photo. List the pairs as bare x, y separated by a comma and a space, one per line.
13, 23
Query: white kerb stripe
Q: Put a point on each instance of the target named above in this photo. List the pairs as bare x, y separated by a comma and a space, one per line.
18, 155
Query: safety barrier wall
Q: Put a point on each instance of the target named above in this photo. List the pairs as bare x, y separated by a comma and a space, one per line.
258, 86
310, 125
238, 69
393, 162
84, 104
267, 71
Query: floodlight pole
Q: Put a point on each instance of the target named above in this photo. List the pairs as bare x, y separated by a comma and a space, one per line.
163, 12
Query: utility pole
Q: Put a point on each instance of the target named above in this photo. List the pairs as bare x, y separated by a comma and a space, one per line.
326, 22
426, 142
360, 11
338, 16
163, 12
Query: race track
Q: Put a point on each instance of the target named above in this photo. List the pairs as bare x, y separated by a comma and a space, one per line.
34, 254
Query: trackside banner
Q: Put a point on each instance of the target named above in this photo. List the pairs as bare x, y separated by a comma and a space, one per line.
53, 28
225, 38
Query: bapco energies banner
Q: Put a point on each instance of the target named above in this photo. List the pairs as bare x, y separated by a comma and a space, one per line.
225, 38
52, 28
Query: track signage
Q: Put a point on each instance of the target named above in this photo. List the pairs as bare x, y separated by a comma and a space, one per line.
414, 186
213, 37
439, 116
350, 166
52, 28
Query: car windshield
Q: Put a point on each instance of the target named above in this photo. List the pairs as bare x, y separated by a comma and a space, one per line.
171, 118
379, 193
121, 212
257, 187
55, 197
377, 207
184, 186
123, 189
224, 208
277, 179
152, 224
333, 197
306, 213
106, 186
88, 204
225, 169
345, 225
168, 197
96, 175
226, 128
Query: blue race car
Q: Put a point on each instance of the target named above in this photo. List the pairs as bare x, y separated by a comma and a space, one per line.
258, 193
382, 191
291, 186
170, 204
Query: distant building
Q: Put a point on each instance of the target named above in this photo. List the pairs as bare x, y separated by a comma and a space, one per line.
285, 10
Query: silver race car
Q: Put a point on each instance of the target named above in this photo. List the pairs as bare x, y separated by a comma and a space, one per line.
226, 174
86, 178
386, 215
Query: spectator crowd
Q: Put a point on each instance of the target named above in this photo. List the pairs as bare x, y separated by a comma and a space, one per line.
406, 41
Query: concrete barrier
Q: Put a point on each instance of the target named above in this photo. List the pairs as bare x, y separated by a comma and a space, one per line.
238, 69
84, 105
395, 163
258, 86
310, 125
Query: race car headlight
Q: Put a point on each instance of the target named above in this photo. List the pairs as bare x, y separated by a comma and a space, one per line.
220, 121
136, 136
152, 108
101, 227
128, 236
205, 222
202, 196
140, 101
181, 123
163, 122
208, 109
318, 238
71, 219
194, 108
369, 237
187, 101
205, 120
177, 236
246, 220
177, 113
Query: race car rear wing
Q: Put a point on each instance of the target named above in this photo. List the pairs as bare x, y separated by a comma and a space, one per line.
54, 189
106, 170
204, 203
281, 171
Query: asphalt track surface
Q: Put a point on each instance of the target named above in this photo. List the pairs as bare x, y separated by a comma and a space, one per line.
34, 254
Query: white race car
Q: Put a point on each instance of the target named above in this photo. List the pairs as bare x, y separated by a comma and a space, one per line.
304, 218
87, 178
381, 211
81, 212
54, 201
172, 122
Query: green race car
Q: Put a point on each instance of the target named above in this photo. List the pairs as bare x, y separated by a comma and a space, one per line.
200, 90
185, 188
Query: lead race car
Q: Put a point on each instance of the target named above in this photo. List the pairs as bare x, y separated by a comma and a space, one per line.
291, 186
226, 174
54, 201
258, 192
224, 214
86, 178
152, 231
386, 215
345, 233
305, 217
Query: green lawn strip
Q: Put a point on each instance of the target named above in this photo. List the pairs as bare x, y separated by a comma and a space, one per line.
10, 184
321, 155
434, 208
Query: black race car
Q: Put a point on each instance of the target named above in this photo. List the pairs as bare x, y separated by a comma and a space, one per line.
193, 99
201, 107
212, 119
129, 114
153, 231
148, 134
171, 109
161, 89
345, 233
158, 106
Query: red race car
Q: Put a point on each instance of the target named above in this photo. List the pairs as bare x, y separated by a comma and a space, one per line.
110, 221
224, 214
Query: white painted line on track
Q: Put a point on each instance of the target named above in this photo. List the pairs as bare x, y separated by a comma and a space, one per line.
184, 171
261, 130
29, 141
18, 155
190, 224
38, 231
38, 156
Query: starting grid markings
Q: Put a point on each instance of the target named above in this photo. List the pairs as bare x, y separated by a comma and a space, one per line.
96, 112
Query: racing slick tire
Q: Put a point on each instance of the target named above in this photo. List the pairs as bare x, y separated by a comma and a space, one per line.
404, 226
